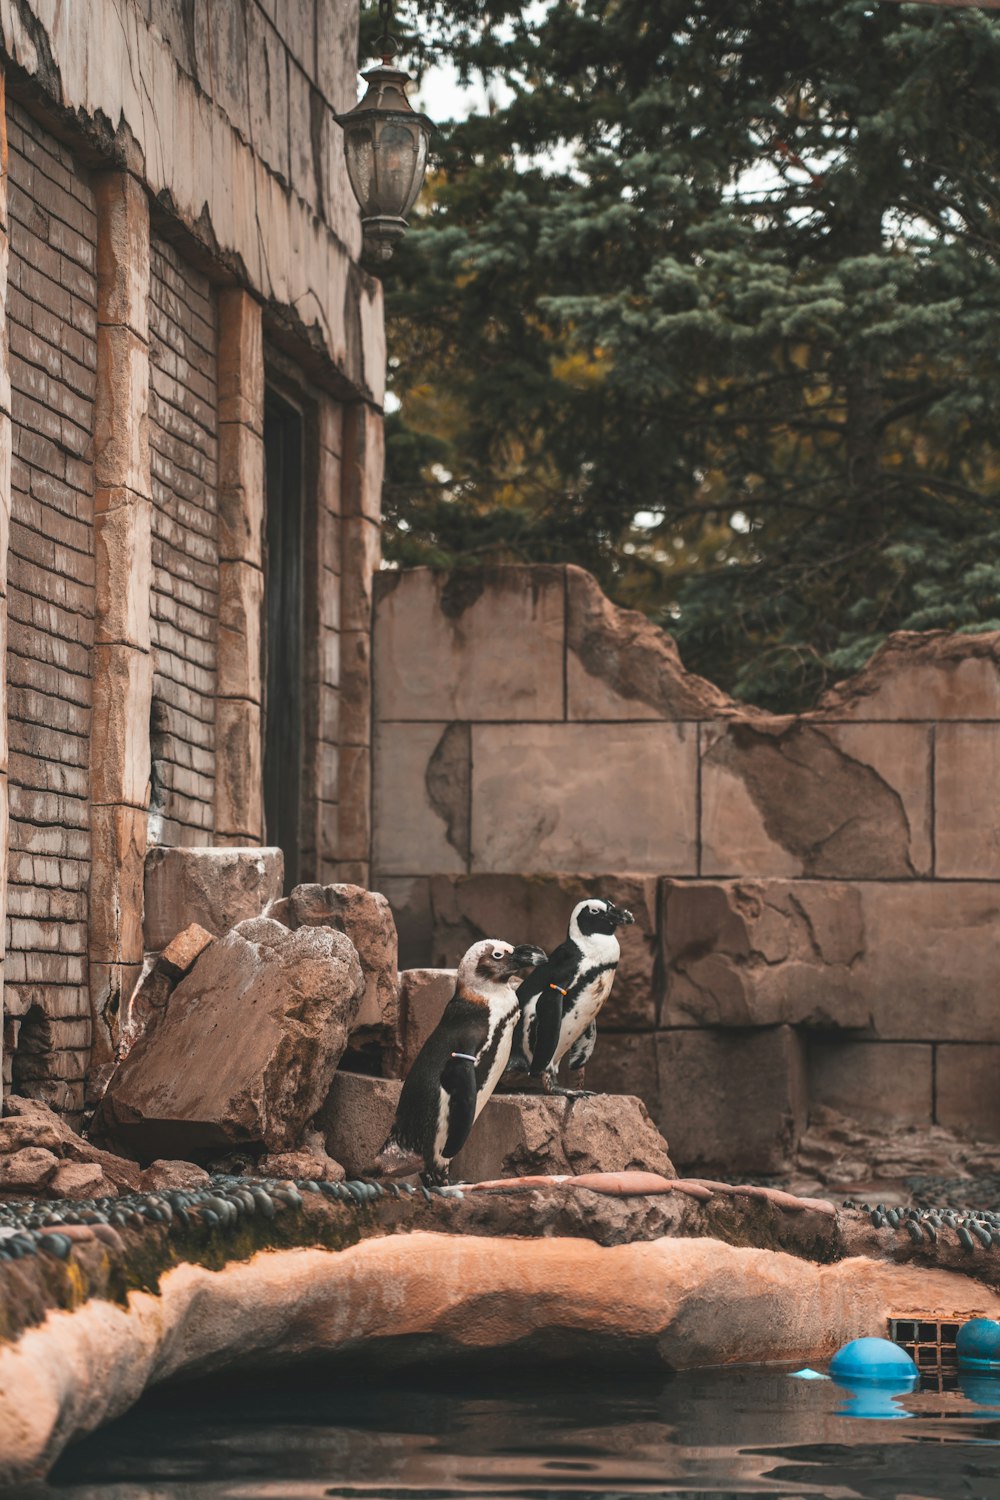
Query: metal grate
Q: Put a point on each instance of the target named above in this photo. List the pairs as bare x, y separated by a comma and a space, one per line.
929, 1338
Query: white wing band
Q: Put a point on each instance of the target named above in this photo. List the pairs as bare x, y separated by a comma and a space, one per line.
466, 1056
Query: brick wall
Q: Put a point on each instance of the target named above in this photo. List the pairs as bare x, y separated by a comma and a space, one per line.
817, 897
51, 319
184, 608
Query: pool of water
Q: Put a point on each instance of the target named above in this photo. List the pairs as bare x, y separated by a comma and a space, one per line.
541, 1435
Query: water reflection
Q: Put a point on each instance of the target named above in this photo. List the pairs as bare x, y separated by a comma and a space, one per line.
540, 1437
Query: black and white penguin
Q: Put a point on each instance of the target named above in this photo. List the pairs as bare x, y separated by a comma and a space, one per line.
459, 1065
560, 1000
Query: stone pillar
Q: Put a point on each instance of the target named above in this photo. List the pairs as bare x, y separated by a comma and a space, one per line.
5, 455
361, 503
122, 663
321, 699
239, 807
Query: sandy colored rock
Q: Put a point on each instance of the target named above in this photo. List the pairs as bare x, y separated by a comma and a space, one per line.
619, 665
172, 1174
892, 1081
758, 953
966, 1094
660, 1305
734, 1100
302, 1166
214, 887
27, 1170
967, 825
423, 995
924, 676
246, 1050
29, 1120
78, 1179
516, 1134
537, 908
183, 951
519, 1134
366, 918
781, 796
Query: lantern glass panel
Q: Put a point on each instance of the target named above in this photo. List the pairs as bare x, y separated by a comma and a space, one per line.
360, 151
396, 154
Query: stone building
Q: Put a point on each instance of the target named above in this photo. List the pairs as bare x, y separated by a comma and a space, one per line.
191, 368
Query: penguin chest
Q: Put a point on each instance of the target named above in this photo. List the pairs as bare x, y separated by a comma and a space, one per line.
585, 1007
492, 1061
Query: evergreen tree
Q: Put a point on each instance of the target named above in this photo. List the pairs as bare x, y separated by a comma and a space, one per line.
708, 302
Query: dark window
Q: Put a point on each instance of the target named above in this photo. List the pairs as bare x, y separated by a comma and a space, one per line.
284, 442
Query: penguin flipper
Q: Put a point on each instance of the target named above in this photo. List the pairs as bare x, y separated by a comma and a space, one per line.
548, 1024
458, 1079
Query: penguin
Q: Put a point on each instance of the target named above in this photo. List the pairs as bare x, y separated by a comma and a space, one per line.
560, 1000
459, 1065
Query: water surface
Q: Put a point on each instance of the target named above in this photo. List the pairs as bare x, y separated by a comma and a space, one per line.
540, 1435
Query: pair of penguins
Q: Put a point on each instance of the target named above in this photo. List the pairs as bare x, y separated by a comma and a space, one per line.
488, 1029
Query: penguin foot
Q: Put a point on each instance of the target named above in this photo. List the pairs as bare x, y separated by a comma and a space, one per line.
558, 1091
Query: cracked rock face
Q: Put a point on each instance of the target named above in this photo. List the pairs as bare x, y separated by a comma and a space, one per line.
749, 953
246, 1050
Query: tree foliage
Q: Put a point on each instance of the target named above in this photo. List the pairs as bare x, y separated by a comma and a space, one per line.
708, 302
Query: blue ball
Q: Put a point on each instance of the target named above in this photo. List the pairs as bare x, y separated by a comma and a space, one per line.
874, 1362
978, 1342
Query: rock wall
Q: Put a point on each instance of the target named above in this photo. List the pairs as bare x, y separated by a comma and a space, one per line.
817, 897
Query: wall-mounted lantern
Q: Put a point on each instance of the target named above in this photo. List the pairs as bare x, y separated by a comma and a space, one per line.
385, 142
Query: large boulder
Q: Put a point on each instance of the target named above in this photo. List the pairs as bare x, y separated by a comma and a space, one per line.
246, 1049
366, 918
516, 1134
423, 995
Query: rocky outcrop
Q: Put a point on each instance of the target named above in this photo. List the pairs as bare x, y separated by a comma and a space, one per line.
161, 974
366, 919
515, 1134
215, 887
246, 1050
41, 1157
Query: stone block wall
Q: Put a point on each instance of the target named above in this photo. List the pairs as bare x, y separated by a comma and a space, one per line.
183, 441
51, 327
180, 235
817, 897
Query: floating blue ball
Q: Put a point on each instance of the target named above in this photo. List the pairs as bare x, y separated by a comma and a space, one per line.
874, 1362
978, 1344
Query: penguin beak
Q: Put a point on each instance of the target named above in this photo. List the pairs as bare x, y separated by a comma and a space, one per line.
623, 918
525, 957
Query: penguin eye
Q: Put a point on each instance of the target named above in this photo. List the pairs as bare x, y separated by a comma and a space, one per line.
498, 953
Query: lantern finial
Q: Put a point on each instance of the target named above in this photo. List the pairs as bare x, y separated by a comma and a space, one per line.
385, 142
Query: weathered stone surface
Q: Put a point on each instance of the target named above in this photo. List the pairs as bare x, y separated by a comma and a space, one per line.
306, 1166
421, 798
214, 887
872, 1080
966, 1093
625, 1062
144, 1007
785, 797
183, 951
926, 676
514, 1135
29, 1121
410, 899
366, 918
536, 909
518, 1135
732, 1100
423, 995
491, 644
967, 810
551, 797
77, 1179
619, 665
246, 1050
165, 1174
756, 953
239, 803
27, 1170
